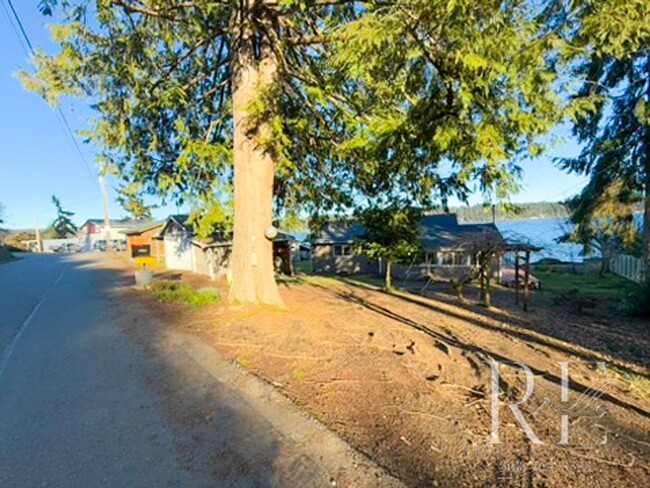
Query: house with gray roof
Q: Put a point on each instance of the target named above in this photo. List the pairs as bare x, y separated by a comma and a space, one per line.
332, 250
447, 247
96, 231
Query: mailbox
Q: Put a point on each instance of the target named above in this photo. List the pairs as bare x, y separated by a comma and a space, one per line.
140, 251
145, 261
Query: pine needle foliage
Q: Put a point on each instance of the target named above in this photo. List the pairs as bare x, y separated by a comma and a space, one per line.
418, 98
62, 226
607, 47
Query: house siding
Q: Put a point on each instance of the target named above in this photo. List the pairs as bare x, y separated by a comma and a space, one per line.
211, 261
324, 261
147, 238
179, 252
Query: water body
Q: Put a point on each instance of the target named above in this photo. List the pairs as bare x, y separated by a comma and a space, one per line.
543, 233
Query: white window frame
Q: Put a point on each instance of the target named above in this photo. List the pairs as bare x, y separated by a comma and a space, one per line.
345, 250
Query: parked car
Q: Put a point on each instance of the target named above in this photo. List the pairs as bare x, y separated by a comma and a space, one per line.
67, 247
72, 247
99, 245
118, 245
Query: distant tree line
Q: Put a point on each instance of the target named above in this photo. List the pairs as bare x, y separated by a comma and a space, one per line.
524, 211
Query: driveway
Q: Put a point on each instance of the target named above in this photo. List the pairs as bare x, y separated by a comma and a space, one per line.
84, 404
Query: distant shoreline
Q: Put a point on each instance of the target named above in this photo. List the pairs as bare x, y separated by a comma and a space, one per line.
514, 218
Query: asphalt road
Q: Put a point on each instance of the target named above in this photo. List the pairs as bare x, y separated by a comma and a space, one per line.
84, 404
73, 411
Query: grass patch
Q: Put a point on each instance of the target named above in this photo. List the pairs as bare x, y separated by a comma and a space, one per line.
637, 381
177, 291
298, 375
302, 267
242, 361
589, 285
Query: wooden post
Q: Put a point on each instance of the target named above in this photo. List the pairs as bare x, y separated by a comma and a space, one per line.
107, 219
39, 243
488, 278
517, 277
526, 280
481, 276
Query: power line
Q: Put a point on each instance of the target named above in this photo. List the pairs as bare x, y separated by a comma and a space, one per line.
27, 45
14, 27
75, 144
20, 24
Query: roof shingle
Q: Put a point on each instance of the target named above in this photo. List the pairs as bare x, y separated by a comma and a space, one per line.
441, 231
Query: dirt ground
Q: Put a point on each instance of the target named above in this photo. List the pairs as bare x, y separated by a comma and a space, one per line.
406, 380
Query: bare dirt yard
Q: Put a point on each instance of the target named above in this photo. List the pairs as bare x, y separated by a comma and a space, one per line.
406, 379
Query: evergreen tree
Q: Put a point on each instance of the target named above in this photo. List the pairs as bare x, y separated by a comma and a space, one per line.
610, 58
392, 234
305, 105
602, 221
62, 226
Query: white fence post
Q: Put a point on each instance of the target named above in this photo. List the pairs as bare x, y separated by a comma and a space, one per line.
628, 267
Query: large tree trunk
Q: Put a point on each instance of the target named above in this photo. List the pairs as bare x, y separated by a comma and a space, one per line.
254, 70
605, 263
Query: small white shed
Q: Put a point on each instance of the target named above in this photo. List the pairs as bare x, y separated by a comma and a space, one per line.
178, 236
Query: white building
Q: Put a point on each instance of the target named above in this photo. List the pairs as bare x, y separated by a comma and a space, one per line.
94, 230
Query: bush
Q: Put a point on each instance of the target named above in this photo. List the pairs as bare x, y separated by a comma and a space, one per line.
5, 254
637, 299
177, 291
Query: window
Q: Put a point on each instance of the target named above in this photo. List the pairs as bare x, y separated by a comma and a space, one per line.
342, 250
450, 258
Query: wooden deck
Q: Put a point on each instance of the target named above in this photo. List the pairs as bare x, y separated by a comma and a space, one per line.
508, 279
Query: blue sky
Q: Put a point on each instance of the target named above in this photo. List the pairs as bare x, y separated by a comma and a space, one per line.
38, 160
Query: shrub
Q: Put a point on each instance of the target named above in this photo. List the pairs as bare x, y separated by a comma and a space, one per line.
177, 291
637, 299
5, 254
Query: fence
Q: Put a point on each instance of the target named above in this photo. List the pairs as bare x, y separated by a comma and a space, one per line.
628, 267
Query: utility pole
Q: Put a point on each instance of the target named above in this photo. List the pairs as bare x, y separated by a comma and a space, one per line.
107, 218
39, 247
